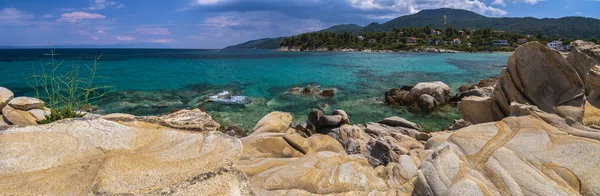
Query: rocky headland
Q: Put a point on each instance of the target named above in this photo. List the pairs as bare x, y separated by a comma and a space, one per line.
531, 131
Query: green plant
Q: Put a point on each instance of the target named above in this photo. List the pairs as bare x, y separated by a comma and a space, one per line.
67, 93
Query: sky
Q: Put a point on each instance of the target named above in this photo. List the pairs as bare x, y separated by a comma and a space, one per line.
214, 24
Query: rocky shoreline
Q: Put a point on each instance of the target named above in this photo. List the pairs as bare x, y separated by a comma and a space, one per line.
416, 50
531, 131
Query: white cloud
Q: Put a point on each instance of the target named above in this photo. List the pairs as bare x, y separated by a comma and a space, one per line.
125, 38
48, 16
75, 17
578, 13
161, 41
153, 31
14, 16
208, 2
101, 4
412, 6
86, 33
220, 22
120, 6
503, 3
499, 2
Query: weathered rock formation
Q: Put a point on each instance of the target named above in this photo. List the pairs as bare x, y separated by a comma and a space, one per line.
133, 157
530, 153
425, 97
279, 161
21, 110
535, 75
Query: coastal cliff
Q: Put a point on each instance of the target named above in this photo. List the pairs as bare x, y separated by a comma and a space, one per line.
536, 133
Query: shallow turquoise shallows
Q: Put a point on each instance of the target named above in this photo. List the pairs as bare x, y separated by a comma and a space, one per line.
155, 81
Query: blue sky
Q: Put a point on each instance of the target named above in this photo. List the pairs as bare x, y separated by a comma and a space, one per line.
219, 23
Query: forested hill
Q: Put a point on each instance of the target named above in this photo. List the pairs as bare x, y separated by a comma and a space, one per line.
265, 43
566, 27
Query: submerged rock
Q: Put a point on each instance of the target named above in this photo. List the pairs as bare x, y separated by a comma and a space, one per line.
312, 91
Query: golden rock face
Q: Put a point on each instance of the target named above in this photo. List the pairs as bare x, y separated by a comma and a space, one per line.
535, 154
90, 157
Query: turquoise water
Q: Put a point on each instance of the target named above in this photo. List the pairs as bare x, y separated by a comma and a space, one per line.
151, 82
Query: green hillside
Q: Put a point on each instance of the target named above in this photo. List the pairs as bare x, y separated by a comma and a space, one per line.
265, 43
566, 27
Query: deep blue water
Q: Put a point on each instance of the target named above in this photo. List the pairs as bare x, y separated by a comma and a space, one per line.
154, 81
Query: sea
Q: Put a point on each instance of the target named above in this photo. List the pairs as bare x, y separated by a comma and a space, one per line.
255, 82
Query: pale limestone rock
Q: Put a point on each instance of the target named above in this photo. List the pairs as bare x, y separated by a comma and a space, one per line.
39, 114
26, 103
4, 121
274, 122
530, 153
100, 157
195, 120
321, 173
18, 117
559, 90
583, 57
5, 96
119, 117
396, 121
479, 110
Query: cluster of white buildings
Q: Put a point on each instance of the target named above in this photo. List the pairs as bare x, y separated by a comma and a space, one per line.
558, 45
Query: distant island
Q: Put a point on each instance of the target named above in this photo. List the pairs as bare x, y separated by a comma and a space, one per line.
544, 30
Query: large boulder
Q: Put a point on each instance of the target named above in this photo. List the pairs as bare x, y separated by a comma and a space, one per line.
438, 90
479, 110
274, 122
19, 117
101, 157
318, 120
529, 153
559, 90
5, 96
26, 103
425, 96
583, 57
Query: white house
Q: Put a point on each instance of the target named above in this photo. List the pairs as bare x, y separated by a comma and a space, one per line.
456, 41
556, 45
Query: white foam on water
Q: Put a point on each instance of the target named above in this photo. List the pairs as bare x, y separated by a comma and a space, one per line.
226, 97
